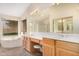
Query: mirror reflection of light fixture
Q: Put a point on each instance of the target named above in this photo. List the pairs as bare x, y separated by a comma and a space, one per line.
60, 21
63, 20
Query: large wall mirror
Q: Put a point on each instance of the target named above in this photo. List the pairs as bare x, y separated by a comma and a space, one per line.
63, 25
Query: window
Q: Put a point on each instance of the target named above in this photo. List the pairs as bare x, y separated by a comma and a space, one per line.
10, 27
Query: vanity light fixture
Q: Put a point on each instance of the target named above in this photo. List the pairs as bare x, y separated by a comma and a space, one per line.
63, 20
60, 21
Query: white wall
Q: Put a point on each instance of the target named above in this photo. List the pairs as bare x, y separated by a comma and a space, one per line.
20, 27
13, 9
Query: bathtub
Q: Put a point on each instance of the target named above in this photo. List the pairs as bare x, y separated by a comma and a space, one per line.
11, 41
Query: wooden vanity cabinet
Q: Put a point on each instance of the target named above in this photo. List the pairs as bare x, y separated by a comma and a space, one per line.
67, 49
35, 40
59, 48
52, 47
24, 42
48, 47
27, 44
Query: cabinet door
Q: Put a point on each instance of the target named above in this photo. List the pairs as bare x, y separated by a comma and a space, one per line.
47, 51
64, 48
27, 45
24, 42
64, 52
48, 47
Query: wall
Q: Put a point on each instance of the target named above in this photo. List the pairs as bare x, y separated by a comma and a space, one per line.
20, 27
34, 6
7, 17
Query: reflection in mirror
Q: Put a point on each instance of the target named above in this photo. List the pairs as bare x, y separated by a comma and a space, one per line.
63, 25
68, 25
58, 28
44, 26
41, 25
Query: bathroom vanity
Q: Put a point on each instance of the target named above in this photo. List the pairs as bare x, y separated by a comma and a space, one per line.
53, 44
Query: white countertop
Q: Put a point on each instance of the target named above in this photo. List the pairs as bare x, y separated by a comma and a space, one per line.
58, 36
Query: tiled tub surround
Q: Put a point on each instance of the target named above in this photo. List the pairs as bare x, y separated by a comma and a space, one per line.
57, 36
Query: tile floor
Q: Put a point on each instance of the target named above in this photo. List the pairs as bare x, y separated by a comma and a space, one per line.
13, 52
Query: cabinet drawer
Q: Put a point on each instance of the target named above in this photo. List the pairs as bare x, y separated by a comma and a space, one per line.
35, 40
68, 45
41, 42
47, 41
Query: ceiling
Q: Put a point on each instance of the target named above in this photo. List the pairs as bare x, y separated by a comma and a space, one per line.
13, 9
